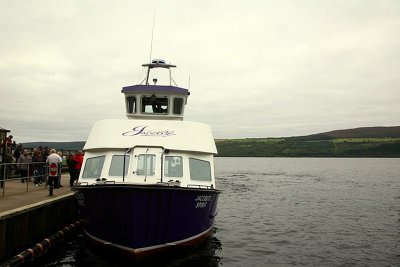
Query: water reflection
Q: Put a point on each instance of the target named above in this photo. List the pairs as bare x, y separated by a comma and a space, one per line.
81, 252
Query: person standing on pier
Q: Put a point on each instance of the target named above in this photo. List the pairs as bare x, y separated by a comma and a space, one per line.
38, 167
53, 160
24, 162
17, 154
59, 153
9, 143
78, 161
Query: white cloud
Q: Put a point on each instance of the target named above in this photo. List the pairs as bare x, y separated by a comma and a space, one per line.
257, 68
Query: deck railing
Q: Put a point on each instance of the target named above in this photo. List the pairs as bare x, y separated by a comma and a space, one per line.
10, 172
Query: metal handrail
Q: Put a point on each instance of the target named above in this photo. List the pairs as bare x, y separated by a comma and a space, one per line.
200, 186
7, 168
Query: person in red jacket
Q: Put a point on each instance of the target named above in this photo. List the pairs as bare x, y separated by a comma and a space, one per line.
78, 161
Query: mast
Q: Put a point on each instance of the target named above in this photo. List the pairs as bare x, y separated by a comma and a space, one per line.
158, 63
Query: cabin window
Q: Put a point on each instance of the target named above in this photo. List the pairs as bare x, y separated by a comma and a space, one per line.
93, 167
146, 165
200, 170
178, 104
131, 102
154, 105
173, 166
117, 165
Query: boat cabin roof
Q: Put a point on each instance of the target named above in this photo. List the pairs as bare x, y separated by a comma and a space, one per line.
172, 135
154, 89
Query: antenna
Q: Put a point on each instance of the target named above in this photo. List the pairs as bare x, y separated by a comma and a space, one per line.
152, 32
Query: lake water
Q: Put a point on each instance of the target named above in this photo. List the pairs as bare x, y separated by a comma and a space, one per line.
286, 212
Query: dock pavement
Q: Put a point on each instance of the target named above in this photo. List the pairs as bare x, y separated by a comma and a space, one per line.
16, 195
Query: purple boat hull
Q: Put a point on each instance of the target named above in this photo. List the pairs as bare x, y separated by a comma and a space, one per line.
143, 220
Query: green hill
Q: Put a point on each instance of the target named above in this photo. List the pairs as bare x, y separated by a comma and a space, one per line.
365, 132
358, 142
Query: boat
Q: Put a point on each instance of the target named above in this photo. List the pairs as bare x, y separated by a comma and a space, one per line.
147, 183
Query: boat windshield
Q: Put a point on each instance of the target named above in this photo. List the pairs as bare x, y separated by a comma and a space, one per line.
173, 166
153, 104
93, 167
131, 101
146, 165
199, 169
117, 165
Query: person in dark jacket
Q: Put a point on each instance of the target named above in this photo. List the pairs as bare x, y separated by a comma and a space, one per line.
17, 154
38, 163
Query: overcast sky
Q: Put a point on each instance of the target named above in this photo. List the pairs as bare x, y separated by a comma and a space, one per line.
257, 68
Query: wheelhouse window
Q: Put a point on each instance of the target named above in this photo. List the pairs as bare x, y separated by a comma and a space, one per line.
200, 170
93, 167
173, 166
117, 165
178, 104
146, 165
131, 102
155, 105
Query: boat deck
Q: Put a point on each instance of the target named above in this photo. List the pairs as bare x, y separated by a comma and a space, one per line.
16, 195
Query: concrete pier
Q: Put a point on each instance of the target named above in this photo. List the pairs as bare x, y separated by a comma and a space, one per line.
29, 217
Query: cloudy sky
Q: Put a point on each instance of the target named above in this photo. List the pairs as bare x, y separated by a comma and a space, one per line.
257, 68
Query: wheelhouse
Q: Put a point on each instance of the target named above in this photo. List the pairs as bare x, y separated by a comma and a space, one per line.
145, 101
155, 102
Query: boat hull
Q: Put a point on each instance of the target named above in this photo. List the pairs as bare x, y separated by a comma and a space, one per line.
143, 220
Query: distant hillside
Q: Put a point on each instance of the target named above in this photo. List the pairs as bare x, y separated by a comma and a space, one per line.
365, 132
359, 142
57, 145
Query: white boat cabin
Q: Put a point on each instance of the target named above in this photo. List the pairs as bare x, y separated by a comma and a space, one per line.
149, 152
155, 146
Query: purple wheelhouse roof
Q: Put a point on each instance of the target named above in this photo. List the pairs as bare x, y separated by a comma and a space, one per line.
155, 88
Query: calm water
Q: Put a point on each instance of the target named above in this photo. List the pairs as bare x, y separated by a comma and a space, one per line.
285, 212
